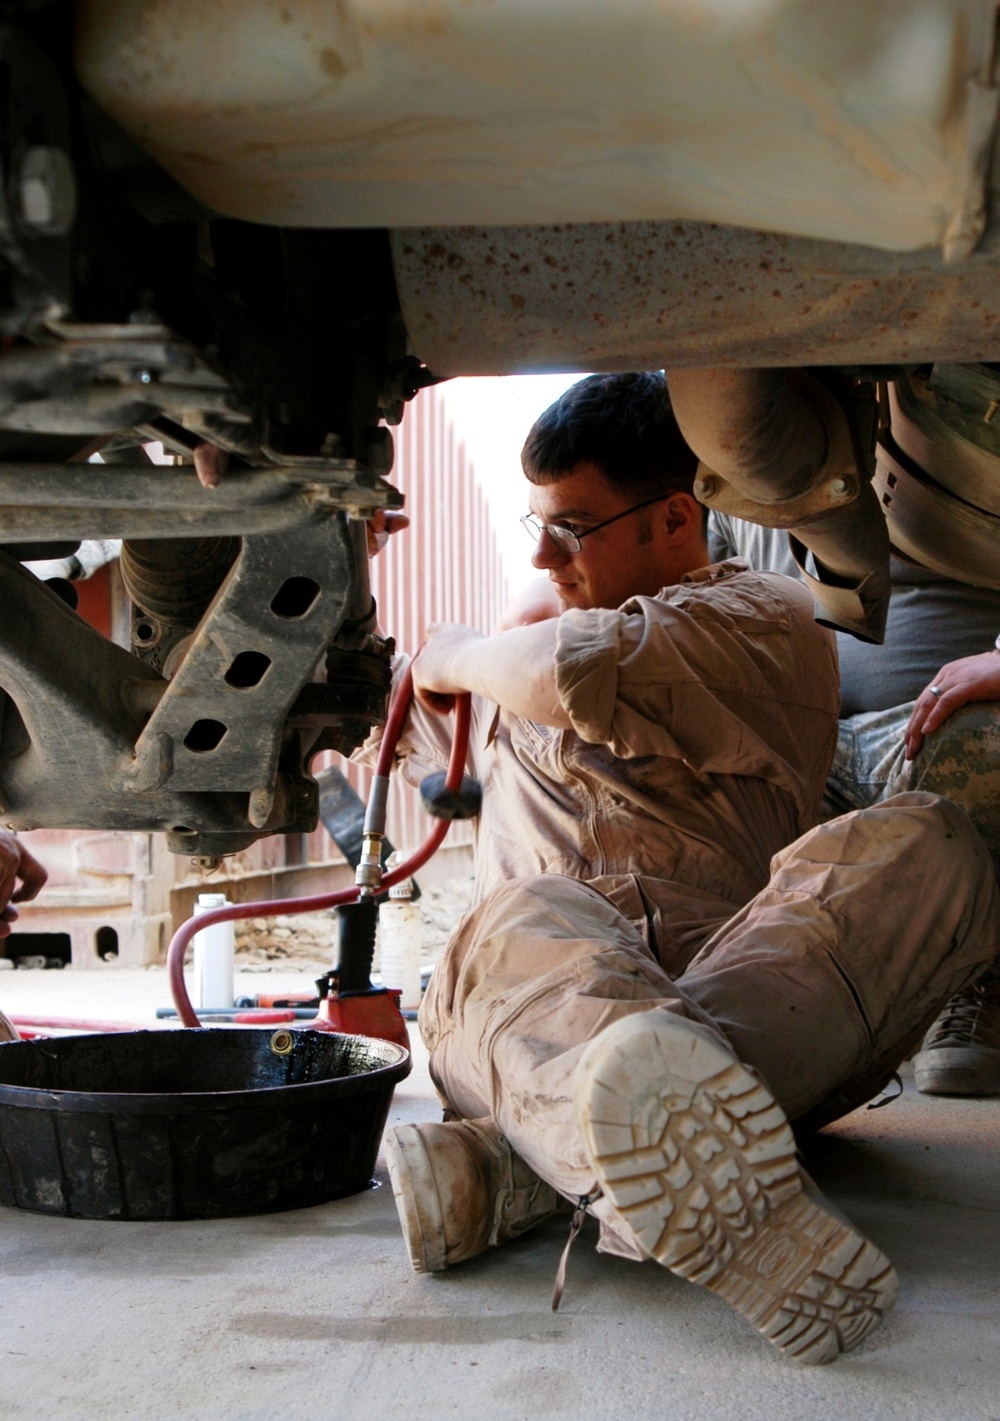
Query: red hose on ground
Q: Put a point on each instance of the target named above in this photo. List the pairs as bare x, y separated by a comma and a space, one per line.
288, 906
31, 1026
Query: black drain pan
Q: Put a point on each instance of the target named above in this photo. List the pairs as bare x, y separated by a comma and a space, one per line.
201, 1124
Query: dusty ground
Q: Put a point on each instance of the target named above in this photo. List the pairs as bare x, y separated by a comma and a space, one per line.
306, 942
317, 1312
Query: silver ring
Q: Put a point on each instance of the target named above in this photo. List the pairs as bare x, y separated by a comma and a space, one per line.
936, 692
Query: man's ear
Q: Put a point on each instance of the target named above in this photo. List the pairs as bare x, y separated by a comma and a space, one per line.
683, 514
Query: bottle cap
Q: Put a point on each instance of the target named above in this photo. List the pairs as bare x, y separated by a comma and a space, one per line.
212, 900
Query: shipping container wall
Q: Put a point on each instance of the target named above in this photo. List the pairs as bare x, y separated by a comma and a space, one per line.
444, 568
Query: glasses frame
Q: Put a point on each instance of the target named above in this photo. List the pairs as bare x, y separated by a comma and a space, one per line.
566, 538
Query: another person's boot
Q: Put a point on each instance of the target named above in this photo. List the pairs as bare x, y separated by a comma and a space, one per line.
961, 1051
460, 1189
699, 1162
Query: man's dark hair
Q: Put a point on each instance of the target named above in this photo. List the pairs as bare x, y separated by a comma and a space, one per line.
622, 423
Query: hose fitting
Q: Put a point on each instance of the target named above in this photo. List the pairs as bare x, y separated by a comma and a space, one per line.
368, 874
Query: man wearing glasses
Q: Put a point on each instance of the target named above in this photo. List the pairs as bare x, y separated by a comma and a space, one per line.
666, 960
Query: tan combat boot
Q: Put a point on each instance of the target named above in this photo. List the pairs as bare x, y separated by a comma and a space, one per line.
699, 1163
961, 1051
461, 1189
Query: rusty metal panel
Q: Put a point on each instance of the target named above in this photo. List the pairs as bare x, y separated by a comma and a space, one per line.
859, 121
641, 295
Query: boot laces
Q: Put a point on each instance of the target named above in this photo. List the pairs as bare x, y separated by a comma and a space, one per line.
972, 1017
576, 1224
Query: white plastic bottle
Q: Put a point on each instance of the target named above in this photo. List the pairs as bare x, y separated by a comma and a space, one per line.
214, 949
400, 931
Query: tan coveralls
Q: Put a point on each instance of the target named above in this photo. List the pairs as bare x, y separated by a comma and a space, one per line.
662, 854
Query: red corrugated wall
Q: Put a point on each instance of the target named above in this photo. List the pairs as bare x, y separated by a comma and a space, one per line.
444, 568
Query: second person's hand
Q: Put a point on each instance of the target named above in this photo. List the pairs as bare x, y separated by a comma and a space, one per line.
972, 678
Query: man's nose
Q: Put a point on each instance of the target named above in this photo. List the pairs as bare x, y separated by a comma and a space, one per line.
549, 553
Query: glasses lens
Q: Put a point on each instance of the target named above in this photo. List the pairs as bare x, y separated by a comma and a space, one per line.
534, 528
565, 537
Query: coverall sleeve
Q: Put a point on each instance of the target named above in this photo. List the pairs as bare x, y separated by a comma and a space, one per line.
731, 675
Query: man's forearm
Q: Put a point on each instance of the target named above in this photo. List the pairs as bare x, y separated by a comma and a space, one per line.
516, 669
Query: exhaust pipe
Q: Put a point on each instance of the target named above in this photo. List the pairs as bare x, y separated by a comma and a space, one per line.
778, 448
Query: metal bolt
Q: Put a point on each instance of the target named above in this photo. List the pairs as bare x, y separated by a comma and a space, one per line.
379, 451
706, 488
260, 804
839, 487
145, 313
46, 191
147, 632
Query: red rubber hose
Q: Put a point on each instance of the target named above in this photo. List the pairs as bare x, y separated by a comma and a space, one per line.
287, 906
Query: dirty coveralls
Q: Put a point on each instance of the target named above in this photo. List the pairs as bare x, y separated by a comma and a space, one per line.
932, 620
661, 854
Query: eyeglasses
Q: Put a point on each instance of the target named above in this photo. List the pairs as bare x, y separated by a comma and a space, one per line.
566, 537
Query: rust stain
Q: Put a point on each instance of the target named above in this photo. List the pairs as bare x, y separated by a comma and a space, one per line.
331, 63
692, 294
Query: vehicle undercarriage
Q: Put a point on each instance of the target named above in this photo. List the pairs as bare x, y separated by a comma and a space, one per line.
263, 229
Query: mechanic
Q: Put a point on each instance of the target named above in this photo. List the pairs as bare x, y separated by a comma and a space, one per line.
921, 712
659, 929
21, 878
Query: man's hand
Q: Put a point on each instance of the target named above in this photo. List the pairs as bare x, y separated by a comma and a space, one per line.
437, 678
16, 863
515, 670
380, 527
973, 678
210, 463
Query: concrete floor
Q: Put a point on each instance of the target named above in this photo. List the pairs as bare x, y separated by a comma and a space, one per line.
317, 1313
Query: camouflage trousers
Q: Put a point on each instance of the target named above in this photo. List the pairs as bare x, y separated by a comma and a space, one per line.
961, 761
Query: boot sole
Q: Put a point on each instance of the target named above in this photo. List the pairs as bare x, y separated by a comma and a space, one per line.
698, 1159
957, 1070
416, 1196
